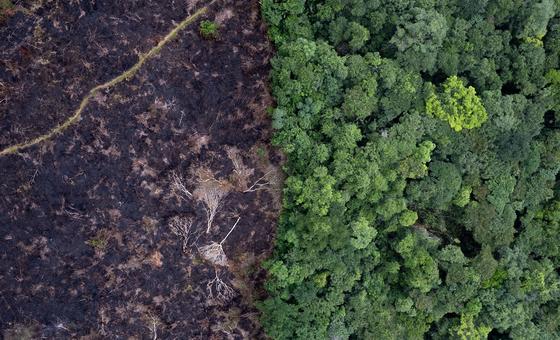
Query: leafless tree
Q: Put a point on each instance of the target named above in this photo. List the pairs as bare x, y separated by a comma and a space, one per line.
153, 327
261, 183
178, 184
218, 290
214, 252
182, 227
211, 193
74, 213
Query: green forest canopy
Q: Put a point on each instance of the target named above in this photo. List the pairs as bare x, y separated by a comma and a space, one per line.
423, 145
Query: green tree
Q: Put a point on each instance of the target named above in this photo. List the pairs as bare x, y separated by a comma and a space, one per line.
419, 38
534, 27
395, 226
458, 105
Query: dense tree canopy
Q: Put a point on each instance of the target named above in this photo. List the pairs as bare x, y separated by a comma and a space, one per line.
423, 151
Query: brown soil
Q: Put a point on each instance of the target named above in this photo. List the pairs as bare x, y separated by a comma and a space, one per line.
86, 246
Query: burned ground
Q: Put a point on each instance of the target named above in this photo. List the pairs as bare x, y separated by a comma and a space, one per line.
87, 249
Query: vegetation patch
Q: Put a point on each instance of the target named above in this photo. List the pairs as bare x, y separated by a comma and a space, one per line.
209, 29
423, 152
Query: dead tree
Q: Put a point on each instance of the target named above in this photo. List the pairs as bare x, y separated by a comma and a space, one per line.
211, 193
260, 184
214, 252
218, 290
241, 172
182, 227
178, 185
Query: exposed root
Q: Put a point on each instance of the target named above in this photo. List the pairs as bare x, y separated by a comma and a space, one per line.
128, 74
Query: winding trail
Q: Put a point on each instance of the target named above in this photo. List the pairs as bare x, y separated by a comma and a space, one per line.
126, 75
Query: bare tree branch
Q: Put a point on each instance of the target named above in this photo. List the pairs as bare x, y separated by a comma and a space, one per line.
214, 252
260, 184
218, 290
182, 227
211, 194
178, 185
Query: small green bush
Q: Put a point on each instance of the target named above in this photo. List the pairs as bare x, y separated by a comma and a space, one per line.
209, 29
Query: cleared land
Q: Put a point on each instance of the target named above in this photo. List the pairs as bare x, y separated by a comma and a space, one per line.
104, 224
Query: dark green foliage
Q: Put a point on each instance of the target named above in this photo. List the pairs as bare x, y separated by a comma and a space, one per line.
423, 152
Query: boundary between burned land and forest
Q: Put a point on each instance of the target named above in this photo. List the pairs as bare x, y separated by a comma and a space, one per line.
126, 75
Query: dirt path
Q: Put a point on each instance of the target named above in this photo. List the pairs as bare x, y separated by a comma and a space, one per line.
89, 239
126, 75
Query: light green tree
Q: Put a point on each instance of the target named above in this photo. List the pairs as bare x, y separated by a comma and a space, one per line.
458, 105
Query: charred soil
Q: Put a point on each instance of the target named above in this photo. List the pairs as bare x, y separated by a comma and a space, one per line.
102, 226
